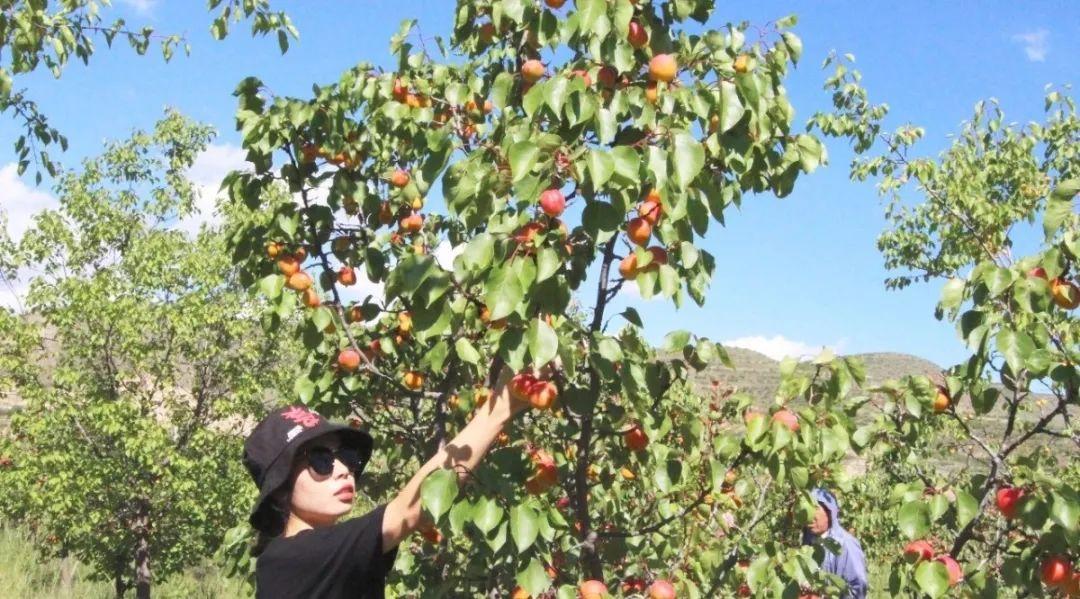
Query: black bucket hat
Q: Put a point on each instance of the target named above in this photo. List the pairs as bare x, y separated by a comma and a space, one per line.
271, 447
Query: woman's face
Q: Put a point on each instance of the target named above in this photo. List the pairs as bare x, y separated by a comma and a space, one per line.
320, 499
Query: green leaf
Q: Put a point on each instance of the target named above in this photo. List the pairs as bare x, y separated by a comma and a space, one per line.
731, 109
523, 157
479, 252
438, 491
555, 93
676, 340
1065, 510
543, 342
523, 526
688, 159
631, 315
321, 317
626, 162
609, 349
914, 520
601, 167
952, 294
1016, 346
547, 264
500, 90
967, 507
1059, 206
504, 293
271, 286
487, 514
466, 351
589, 11
461, 513
533, 578
932, 578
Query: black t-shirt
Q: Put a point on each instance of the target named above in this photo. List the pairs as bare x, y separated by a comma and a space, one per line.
343, 561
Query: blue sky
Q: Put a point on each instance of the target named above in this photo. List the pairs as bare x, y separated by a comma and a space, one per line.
792, 275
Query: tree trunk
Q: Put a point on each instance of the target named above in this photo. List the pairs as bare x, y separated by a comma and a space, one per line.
67, 575
118, 583
142, 551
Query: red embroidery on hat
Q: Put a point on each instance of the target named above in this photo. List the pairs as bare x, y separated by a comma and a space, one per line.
302, 416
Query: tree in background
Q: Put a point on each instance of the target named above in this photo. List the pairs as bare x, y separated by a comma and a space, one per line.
993, 219
140, 359
49, 33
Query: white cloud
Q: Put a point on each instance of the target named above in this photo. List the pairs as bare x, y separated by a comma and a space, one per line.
20, 202
206, 173
1036, 44
779, 347
444, 254
143, 7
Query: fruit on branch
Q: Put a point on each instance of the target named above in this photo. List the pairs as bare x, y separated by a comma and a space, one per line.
1038, 272
636, 439
636, 35
521, 385
299, 281
663, 67
545, 473
487, 32
956, 574
917, 551
386, 214
787, 418
628, 267
592, 589
348, 359
638, 230
1065, 293
288, 265
1008, 501
543, 394
1055, 570
525, 235
520, 593
400, 91
411, 223
659, 256
311, 299
431, 534
554, 3
405, 323
742, 63
584, 75
650, 92
532, 71
942, 400
606, 77
627, 473
400, 178
552, 202
413, 380
651, 209
346, 276
273, 248
662, 589
309, 152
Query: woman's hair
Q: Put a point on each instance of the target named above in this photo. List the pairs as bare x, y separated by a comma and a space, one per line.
278, 504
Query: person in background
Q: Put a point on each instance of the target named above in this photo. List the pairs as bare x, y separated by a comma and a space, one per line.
850, 562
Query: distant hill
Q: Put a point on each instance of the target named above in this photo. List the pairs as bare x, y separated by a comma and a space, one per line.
759, 375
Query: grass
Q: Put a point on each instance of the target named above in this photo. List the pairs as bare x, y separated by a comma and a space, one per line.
25, 574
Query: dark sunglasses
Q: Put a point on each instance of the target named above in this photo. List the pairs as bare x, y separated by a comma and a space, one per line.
321, 459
